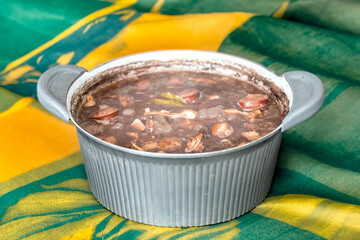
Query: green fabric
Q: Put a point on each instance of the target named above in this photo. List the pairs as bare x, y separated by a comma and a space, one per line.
175, 7
28, 24
315, 192
335, 14
7, 99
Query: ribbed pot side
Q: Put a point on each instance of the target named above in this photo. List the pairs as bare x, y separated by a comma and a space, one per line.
180, 192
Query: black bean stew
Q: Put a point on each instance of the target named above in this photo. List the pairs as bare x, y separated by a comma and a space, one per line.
179, 112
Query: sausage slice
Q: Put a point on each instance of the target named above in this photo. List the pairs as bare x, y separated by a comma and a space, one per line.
253, 101
190, 96
105, 113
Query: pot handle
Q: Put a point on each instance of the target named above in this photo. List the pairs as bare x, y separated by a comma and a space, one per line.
308, 96
52, 88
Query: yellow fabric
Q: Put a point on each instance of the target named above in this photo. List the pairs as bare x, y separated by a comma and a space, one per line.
155, 31
329, 219
38, 135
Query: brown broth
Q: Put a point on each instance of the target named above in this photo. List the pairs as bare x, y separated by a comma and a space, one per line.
162, 124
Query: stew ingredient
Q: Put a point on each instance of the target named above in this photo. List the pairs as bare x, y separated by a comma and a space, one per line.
179, 112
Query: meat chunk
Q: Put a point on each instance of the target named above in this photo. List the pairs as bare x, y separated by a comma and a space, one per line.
126, 100
136, 147
254, 114
150, 146
251, 136
169, 143
133, 135
90, 101
195, 144
138, 125
226, 142
188, 114
222, 129
110, 139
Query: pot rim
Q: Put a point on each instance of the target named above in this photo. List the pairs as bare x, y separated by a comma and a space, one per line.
167, 55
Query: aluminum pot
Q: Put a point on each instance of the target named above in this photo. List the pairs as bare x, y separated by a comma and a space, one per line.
181, 190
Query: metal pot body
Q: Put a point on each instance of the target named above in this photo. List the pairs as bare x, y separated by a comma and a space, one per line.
180, 190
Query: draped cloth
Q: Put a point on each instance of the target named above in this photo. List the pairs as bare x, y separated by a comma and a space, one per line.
44, 192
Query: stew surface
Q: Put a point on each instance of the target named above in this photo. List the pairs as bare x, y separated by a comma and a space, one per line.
179, 112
